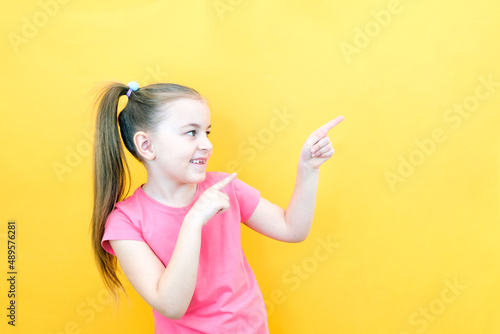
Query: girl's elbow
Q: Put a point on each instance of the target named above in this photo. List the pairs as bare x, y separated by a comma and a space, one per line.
176, 316
171, 312
298, 237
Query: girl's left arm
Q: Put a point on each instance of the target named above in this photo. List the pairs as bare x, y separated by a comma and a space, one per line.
294, 223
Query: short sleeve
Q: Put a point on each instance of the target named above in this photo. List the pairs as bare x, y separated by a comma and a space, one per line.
248, 198
119, 227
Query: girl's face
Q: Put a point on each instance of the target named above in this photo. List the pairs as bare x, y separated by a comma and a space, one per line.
181, 141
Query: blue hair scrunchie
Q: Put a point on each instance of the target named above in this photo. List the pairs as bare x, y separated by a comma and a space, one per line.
133, 86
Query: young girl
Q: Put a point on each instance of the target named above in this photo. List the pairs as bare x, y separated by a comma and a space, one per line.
177, 238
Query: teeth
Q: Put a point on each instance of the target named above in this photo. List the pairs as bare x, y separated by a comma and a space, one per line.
198, 162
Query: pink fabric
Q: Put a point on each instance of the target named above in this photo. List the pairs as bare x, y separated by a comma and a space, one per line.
227, 298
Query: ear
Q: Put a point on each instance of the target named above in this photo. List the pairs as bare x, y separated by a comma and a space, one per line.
144, 145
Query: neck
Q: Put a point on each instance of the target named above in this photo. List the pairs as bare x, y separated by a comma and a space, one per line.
168, 192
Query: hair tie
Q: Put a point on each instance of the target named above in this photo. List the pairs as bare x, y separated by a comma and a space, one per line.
133, 86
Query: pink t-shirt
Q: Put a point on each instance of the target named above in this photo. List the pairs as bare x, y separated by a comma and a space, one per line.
227, 298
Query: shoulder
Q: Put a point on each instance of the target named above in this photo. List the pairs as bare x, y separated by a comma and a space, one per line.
124, 222
128, 207
131, 200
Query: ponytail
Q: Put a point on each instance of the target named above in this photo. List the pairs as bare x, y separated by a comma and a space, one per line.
111, 177
143, 111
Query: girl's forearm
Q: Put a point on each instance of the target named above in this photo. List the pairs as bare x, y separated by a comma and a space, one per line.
176, 285
300, 211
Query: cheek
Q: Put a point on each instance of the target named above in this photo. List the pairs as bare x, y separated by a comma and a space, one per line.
178, 148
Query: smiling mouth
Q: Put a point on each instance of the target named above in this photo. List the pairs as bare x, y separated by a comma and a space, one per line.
198, 161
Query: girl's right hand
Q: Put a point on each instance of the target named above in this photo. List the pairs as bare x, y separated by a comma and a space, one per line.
211, 202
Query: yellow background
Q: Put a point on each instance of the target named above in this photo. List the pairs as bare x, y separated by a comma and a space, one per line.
396, 246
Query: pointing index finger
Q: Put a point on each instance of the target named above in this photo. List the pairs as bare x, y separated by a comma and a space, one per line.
224, 182
330, 125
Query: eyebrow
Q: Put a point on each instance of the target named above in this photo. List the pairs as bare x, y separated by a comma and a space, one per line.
194, 125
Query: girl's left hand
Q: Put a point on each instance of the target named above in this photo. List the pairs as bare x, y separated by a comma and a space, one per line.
317, 149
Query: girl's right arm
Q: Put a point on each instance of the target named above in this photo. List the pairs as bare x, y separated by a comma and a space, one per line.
170, 290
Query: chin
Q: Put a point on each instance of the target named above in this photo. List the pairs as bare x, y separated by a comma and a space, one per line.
200, 177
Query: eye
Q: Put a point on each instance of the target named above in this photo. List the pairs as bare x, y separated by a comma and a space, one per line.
208, 133
191, 133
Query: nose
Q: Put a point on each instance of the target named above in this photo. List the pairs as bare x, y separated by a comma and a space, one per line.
205, 144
